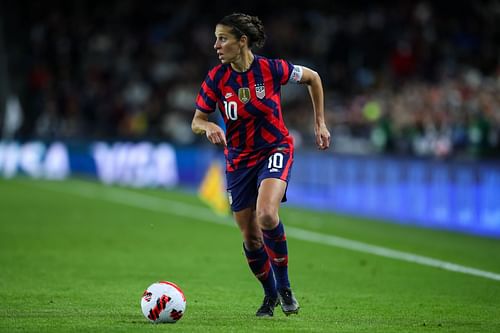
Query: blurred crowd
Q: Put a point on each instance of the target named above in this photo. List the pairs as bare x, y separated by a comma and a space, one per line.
412, 78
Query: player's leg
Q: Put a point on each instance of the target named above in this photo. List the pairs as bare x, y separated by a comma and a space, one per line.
271, 193
242, 189
257, 259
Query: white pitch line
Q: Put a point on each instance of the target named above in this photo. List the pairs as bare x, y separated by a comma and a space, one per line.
138, 200
386, 252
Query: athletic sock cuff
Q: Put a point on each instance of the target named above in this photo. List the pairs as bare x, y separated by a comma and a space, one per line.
277, 232
254, 253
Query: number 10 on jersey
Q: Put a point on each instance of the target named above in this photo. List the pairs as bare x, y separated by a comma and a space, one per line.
231, 109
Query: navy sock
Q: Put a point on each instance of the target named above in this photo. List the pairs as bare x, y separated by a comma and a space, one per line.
259, 263
275, 243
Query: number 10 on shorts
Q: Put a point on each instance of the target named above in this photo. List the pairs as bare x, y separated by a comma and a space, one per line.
275, 162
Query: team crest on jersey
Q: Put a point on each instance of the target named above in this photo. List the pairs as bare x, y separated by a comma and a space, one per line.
244, 94
260, 90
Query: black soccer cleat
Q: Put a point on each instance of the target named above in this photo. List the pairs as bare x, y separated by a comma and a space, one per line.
267, 307
289, 304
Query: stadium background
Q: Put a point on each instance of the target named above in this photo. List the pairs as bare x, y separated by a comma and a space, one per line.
99, 169
412, 97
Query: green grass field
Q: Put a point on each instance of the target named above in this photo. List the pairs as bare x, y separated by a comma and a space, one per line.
75, 256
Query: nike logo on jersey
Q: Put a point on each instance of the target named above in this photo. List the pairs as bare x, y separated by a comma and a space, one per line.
228, 95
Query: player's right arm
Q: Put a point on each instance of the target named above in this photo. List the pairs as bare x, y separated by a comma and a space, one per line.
201, 125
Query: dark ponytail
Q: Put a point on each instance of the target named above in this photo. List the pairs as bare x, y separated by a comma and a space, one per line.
250, 26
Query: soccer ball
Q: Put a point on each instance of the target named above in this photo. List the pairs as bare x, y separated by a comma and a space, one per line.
163, 302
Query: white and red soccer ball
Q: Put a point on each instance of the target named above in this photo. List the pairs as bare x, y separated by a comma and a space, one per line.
163, 302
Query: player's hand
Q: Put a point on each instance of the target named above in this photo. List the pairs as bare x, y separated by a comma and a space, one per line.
322, 137
215, 134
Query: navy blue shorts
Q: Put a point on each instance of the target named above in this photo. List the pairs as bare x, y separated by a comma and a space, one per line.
243, 184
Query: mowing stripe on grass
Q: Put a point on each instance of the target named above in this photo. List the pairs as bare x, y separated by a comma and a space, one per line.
138, 200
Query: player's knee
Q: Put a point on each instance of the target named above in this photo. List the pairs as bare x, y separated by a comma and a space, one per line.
267, 218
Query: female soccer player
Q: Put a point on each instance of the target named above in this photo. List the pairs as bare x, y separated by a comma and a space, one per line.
257, 146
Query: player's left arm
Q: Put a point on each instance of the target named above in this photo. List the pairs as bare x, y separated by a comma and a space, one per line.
315, 87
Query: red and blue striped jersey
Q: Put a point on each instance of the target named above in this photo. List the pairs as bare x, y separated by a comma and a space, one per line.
250, 104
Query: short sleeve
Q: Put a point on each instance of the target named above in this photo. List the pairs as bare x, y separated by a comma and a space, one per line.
206, 100
283, 69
